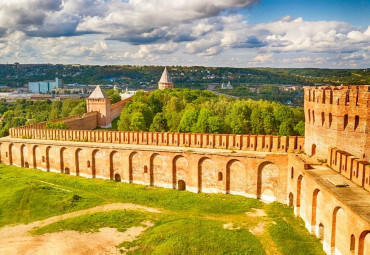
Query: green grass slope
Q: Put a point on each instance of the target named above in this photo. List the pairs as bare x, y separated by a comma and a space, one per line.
189, 223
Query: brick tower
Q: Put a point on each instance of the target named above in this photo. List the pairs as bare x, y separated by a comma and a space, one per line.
99, 102
337, 116
165, 82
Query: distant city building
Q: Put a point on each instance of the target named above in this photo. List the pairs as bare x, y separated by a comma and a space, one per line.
44, 86
115, 88
127, 94
165, 82
227, 86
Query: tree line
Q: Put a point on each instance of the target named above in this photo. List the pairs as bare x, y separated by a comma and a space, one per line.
201, 111
27, 112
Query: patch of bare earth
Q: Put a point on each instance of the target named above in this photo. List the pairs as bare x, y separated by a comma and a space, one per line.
230, 226
259, 229
17, 239
256, 213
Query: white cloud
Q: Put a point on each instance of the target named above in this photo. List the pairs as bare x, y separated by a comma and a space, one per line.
100, 31
263, 58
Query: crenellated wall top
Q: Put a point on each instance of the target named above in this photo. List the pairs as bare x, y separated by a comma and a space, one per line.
348, 95
266, 143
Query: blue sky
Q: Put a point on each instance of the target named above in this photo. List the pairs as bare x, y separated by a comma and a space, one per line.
354, 12
237, 33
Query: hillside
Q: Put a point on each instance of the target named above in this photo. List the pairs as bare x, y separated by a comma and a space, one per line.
139, 219
183, 76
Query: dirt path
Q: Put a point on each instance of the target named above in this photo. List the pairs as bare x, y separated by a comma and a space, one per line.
17, 240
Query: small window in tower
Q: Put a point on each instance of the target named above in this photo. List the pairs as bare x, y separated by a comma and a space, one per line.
357, 121
313, 117
309, 116
219, 176
313, 96
323, 97
322, 118
88, 163
330, 119
347, 97
345, 123
292, 173
331, 97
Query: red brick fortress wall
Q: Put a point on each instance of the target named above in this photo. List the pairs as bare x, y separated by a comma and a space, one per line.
117, 108
265, 143
337, 117
88, 121
354, 169
251, 174
337, 214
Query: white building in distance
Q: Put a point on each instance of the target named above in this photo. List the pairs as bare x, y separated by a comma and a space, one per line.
127, 94
228, 86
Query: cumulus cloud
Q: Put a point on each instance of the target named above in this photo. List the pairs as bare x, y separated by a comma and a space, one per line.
318, 36
183, 29
26, 14
152, 52
263, 58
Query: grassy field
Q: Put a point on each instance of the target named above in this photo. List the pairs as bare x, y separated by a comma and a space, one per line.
189, 223
122, 220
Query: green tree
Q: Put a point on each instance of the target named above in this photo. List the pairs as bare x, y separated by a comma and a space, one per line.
238, 116
285, 129
216, 125
299, 128
189, 119
141, 97
173, 112
156, 99
79, 109
159, 123
114, 98
68, 106
269, 124
257, 121
54, 114
138, 122
283, 113
124, 122
202, 122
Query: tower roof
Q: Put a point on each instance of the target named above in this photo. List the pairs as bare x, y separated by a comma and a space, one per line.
166, 78
98, 93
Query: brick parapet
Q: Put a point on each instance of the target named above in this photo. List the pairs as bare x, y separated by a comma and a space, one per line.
354, 169
213, 141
